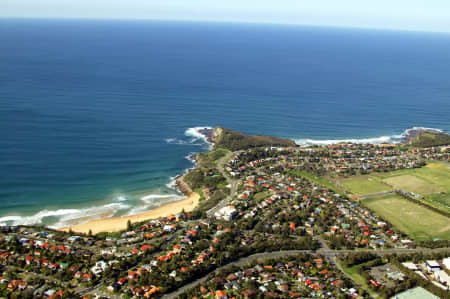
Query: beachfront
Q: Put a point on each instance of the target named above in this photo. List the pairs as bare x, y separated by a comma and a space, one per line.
115, 224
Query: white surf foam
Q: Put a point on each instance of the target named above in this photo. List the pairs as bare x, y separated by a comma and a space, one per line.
155, 197
196, 134
196, 138
381, 139
121, 198
393, 139
66, 217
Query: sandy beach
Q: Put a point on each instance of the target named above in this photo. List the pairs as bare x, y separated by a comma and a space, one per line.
120, 223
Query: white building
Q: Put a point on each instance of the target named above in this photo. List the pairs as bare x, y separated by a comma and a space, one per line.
443, 277
168, 228
432, 266
446, 262
99, 267
226, 213
410, 266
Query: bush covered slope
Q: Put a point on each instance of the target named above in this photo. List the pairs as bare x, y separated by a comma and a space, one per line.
232, 140
429, 138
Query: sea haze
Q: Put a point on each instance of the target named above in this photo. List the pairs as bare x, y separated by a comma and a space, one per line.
97, 117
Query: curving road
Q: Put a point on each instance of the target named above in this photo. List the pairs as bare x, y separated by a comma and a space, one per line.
328, 253
234, 184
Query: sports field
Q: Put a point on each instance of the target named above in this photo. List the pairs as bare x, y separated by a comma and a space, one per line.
365, 184
432, 182
413, 219
412, 183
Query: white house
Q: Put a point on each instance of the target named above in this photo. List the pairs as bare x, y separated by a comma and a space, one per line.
443, 277
432, 266
410, 266
226, 213
168, 228
99, 267
446, 262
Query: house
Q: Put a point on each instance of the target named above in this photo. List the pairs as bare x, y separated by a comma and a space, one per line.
410, 266
446, 263
221, 295
50, 292
432, 266
152, 291
169, 228
443, 277
23, 285
226, 213
13, 285
122, 281
74, 239
99, 267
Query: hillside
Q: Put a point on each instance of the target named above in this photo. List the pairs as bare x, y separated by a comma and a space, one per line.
232, 140
430, 138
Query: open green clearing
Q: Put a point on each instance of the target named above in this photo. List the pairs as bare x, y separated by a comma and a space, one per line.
413, 219
432, 182
316, 179
353, 273
412, 183
365, 184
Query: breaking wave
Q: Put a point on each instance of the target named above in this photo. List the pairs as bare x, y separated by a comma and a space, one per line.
392, 139
65, 217
152, 198
195, 137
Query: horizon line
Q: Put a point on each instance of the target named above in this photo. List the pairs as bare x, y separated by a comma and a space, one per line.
226, 22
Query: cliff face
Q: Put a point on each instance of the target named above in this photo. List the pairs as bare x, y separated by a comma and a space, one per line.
233, 140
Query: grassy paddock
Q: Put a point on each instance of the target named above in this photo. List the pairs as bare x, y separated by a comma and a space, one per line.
431, 181
365, 184
415, 220
316, 179
412, 183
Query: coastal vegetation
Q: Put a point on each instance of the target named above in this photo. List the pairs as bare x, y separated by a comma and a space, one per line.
233, 140
430, 138
210, 159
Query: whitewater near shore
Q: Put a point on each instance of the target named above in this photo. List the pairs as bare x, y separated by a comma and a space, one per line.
115, 224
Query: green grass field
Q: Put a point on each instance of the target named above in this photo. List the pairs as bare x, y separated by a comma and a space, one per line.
412, 183
415, 220
365, 184
431, 181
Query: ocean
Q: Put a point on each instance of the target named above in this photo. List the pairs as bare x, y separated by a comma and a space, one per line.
97, 117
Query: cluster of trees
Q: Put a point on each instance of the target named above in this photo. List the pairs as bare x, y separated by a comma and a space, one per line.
201, 178
234, 141
352, 259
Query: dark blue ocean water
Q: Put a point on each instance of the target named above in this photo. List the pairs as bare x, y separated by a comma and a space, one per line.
94, 114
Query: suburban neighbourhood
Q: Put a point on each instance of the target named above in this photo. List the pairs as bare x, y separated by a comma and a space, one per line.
274, 221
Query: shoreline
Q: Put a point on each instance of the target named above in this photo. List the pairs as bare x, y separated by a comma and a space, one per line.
115, 224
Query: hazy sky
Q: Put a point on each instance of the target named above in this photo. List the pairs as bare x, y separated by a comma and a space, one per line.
423, 15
